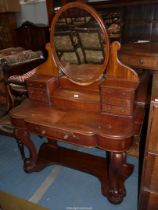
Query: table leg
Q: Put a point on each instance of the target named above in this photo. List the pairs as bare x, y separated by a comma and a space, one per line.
112, 172
23, 136
118, 171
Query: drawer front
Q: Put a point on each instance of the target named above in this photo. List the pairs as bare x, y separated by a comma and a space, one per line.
117, 109
116, 101
59, 134
139, 61
114, 92
36, 84
36, 91
39, 99
38, 94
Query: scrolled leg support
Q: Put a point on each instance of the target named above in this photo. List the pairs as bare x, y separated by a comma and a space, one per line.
23, 136
118, 171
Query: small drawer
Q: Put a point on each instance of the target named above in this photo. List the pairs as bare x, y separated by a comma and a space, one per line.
38, 92
116, 109
38, 95
39, 98
114, 92
139, 61
36, 84
59, 134
116, 101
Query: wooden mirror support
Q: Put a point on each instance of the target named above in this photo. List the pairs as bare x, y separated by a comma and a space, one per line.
102, 114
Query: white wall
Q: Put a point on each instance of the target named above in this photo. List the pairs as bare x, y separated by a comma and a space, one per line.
33, 11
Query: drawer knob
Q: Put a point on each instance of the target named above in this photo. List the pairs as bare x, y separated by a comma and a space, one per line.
123, 110
124, 93
66, 136
31, 92
76, 137
141, 61
109, 108
43, 132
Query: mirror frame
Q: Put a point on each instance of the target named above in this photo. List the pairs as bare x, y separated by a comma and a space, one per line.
103, 30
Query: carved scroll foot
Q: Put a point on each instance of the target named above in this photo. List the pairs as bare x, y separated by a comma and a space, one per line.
118, 171
29, 162
29, 165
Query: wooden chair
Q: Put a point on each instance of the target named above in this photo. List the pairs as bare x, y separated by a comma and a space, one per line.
67, 47
93, 53
15, 61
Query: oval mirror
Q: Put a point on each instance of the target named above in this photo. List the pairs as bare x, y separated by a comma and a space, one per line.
80, 43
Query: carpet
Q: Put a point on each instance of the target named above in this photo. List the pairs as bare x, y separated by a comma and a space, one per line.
57, 187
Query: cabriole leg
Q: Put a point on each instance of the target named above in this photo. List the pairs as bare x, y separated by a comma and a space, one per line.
118, 171
23, 136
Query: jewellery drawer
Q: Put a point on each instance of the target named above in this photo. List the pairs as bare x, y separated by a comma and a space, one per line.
115, 92
36, 84
39, 98
121, 110
116, 101
36, 91
59, 134
38, 94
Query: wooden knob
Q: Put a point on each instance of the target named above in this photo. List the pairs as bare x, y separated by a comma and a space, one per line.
141, 61
77, 137
124, 93
66, 136
109, 108
43, 132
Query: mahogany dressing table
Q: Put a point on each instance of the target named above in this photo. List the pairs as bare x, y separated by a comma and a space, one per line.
89, 102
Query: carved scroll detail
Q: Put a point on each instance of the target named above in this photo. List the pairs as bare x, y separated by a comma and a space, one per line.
118, 70
23, 136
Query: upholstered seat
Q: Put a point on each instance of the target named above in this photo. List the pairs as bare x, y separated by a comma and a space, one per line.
93, 53
15, 64
67, 47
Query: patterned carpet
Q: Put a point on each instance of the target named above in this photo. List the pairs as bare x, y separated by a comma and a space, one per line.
57, 187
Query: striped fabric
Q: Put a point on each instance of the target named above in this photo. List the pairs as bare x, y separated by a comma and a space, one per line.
22, 78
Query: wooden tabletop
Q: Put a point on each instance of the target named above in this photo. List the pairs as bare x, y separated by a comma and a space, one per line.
140, 55
144, 48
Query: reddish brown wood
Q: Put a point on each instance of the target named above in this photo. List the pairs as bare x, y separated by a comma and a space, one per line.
118, 70
92, 129
23, 136
149, 179
118, 171
7, 32
140, 55
112, 183
32, 36
92, 73
74, 115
